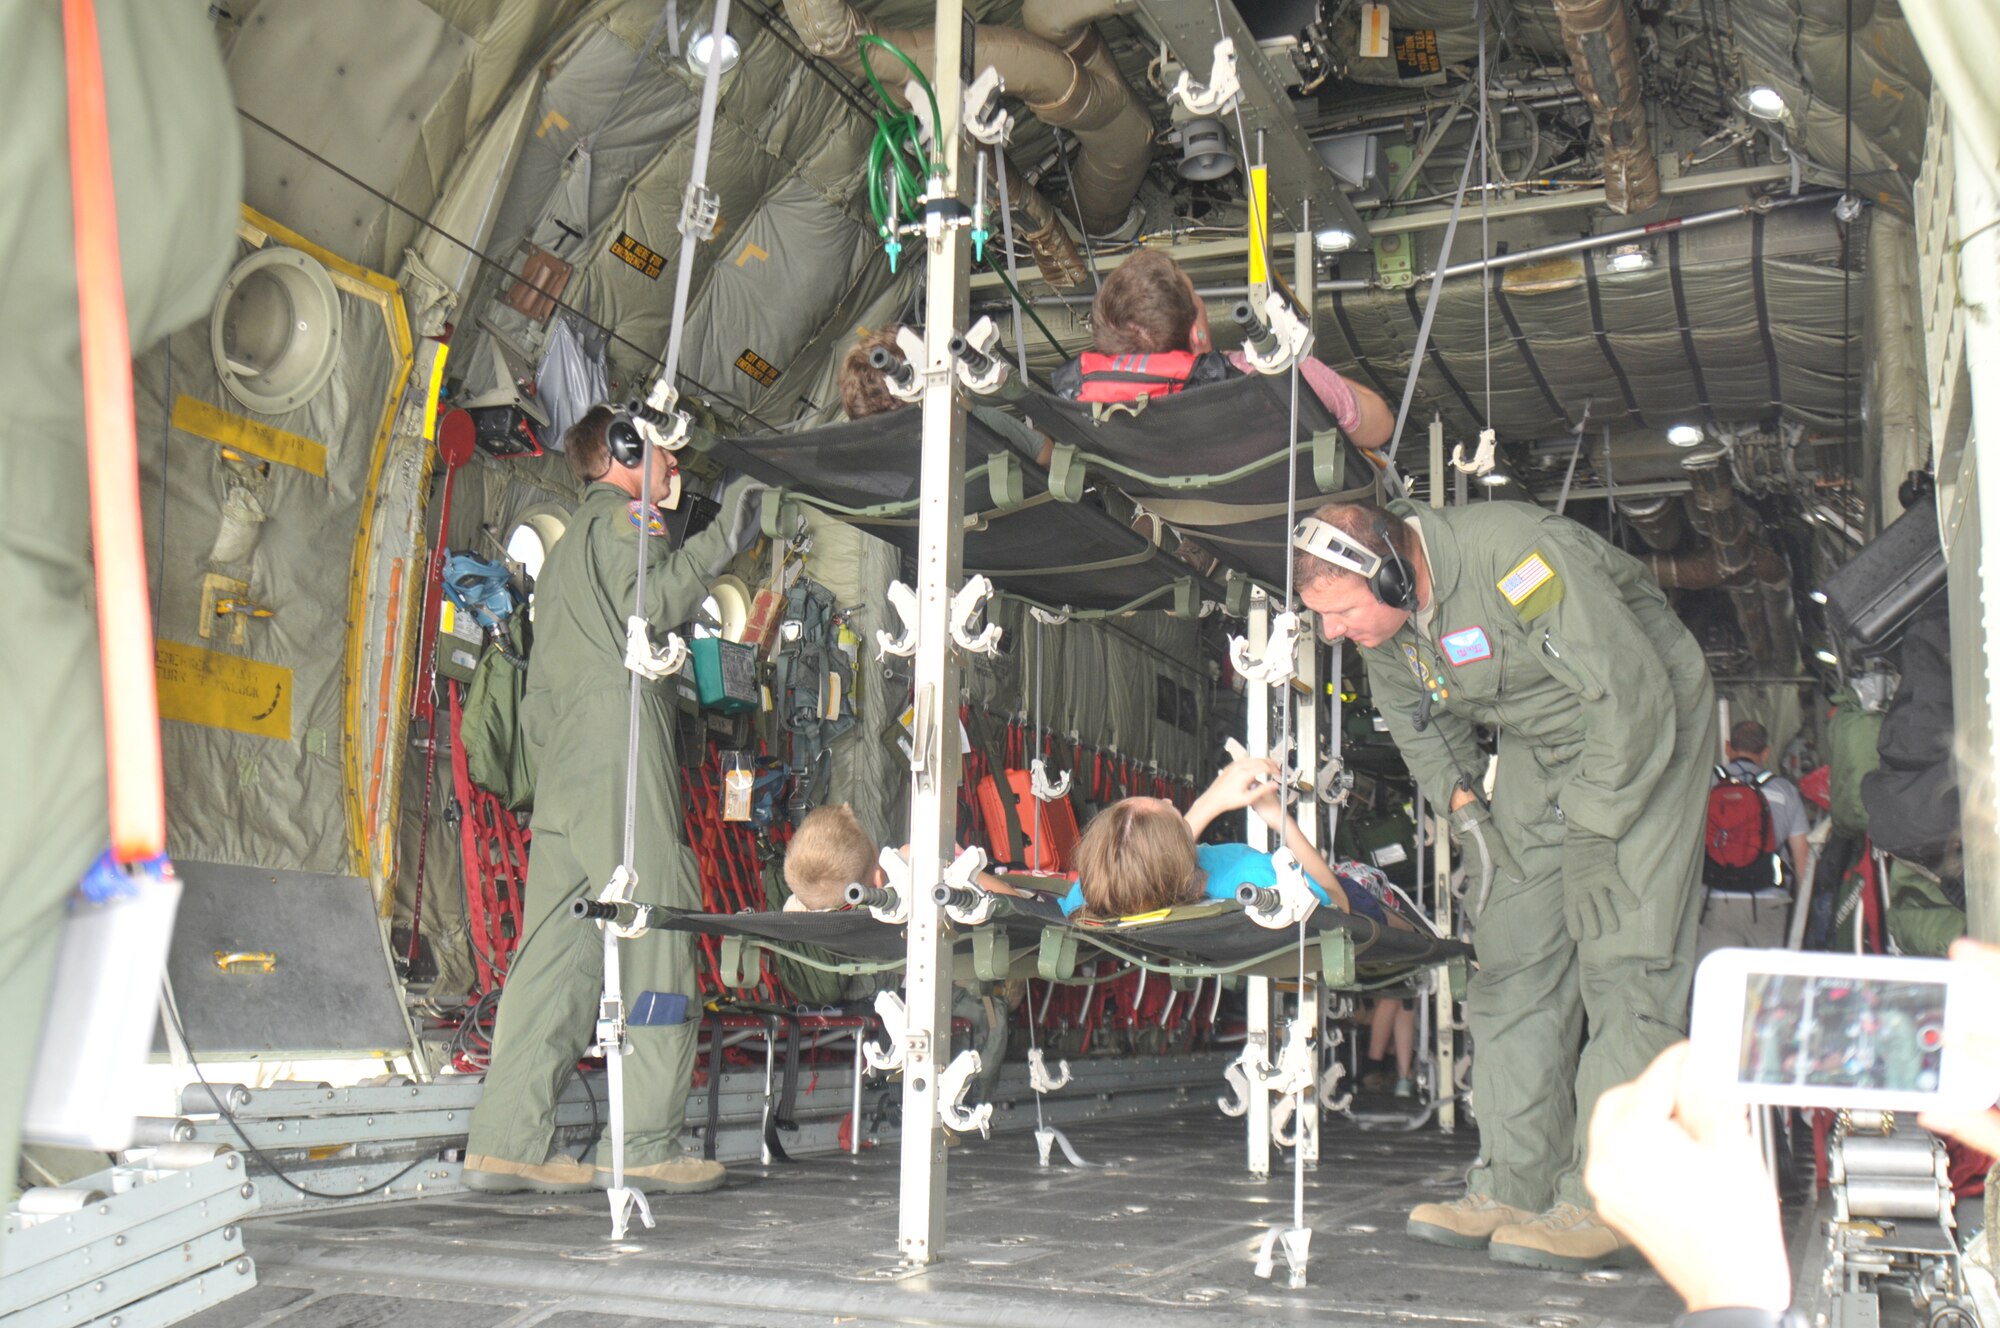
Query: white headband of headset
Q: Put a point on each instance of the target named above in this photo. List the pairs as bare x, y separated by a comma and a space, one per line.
1331, 544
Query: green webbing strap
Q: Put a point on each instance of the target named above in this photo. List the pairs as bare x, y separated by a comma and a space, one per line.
1066, 473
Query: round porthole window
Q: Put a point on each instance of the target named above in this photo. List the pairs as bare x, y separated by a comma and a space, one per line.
275, 333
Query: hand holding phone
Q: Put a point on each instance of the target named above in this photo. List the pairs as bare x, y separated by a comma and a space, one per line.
1977, 1128
1879, 1032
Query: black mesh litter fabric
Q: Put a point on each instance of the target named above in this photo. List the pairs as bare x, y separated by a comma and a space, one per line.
1071, 554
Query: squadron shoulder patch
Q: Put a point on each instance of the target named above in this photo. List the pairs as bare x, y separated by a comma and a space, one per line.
646, 517
1467, 646
1532, 587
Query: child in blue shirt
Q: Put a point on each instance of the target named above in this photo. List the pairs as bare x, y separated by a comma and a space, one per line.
1139, 854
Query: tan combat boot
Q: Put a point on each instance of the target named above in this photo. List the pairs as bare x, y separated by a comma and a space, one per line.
498, 1175
680, 1175
1466, 1223
1567, 1239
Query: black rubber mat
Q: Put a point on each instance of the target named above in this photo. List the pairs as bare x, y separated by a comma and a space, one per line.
1160, 1229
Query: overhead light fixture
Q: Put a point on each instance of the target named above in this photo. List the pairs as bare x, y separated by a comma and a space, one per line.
1684, 435
1766, 103
1205, 153
1333, 240
698, 52
1629, 258
1817, 596
1827, 657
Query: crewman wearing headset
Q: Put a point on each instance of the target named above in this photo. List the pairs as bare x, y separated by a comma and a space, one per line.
1585, 866
574, 718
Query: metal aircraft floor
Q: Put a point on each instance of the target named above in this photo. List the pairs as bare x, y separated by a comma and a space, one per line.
1160, 1230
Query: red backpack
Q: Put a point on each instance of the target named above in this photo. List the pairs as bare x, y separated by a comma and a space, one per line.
1741, 851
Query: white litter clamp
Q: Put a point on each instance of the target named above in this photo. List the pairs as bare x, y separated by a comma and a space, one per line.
904, 601
649, 661
1218, 95
965, 606
1279, 664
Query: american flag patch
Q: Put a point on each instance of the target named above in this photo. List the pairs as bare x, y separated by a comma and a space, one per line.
1532, 573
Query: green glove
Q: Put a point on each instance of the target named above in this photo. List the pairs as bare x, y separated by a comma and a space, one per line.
1595, 896
1473, 830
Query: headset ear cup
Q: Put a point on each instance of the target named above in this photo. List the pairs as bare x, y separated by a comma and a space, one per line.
622, 440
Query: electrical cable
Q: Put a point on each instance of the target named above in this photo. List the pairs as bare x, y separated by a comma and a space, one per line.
173, 1012
1069, 178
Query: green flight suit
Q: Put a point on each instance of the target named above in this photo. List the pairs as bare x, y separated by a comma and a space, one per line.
574, 718
177, 167
1607, 723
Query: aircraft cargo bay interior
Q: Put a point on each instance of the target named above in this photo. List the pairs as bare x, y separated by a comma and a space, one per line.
988, 662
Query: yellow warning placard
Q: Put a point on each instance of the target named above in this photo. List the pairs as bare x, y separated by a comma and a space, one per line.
245, 435
223, 691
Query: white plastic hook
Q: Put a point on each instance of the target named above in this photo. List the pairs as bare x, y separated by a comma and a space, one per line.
649, 661
1219, 93
1295, 898
898, 871
963, 874
1051, 617
1249, 1065
1039, 1077
965, 606
986, 118
895, 1018
1280, 662
1482, 460
1294, 340
952, 1085
904, 601
916, 355
1045, 789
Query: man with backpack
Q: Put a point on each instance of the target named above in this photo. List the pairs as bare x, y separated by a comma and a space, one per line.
1755, 852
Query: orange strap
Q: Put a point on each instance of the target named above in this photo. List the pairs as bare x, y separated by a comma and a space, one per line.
124, 620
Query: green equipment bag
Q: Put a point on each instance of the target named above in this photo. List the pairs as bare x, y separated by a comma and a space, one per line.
1852, 734
496, 755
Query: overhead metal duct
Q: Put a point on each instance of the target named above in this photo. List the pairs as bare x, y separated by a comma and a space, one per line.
1735, 560
1598, 37
1084, 95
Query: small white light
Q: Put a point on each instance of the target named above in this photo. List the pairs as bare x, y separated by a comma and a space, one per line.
1826, 657
1684, 435
1496, 478
1629, 258
1817, 596
698, 52
1333, 240
1765, 103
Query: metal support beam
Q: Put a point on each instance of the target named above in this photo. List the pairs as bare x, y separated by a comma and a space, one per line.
1257, 1003
935, 760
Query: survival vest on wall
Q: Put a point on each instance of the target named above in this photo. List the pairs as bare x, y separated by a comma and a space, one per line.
1093, 376
1740, 854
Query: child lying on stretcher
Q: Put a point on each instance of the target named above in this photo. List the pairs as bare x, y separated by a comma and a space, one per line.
830, 851
1139, 855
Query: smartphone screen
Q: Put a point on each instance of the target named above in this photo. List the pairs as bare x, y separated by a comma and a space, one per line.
1834, 1032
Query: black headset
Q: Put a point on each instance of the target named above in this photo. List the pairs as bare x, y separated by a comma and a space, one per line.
622, 440
1394, 584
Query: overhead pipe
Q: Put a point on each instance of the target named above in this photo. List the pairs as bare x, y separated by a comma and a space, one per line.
1042, 230
1477, 265
1113, 132
1658, 519
1735, 560
1598, 37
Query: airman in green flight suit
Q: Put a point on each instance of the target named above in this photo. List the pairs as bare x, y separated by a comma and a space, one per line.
1503, 615
574, 717
177, 167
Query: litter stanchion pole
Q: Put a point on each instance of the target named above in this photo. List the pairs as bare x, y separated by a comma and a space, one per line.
1257, 1003
935, 772
1446, 1019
